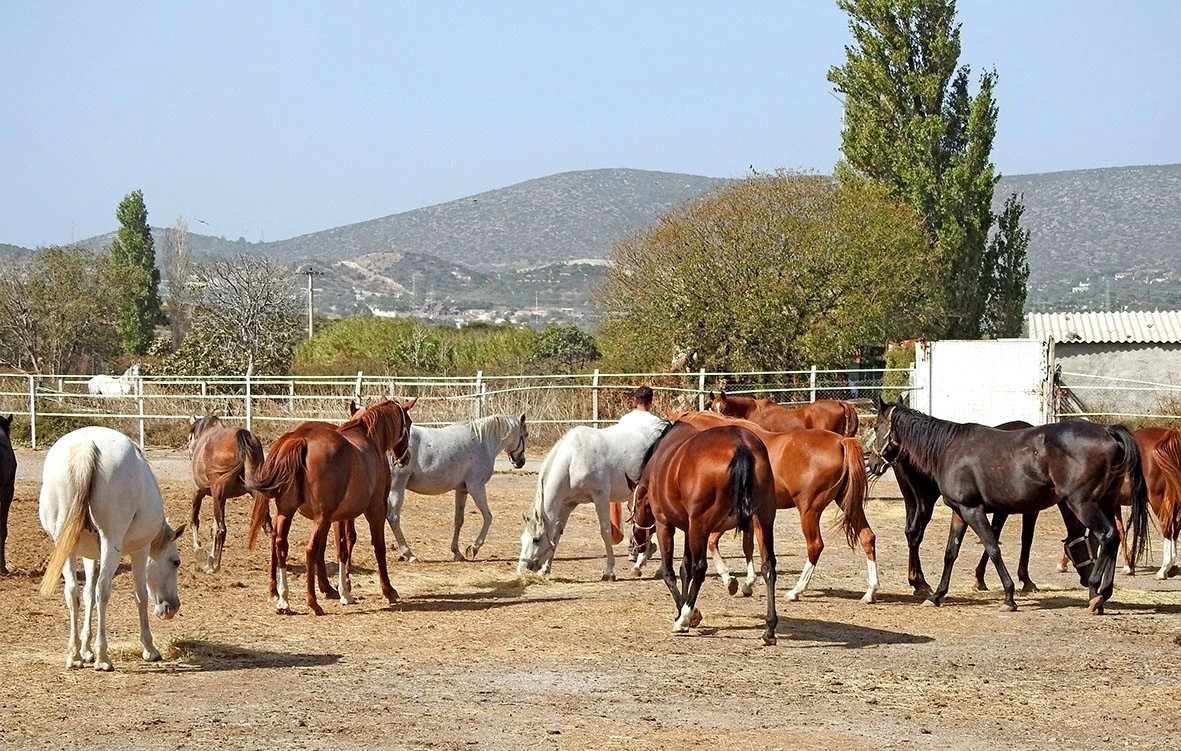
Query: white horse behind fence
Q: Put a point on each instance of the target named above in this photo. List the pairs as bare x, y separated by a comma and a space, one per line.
458, 457
100, 501
586, 464
105, 385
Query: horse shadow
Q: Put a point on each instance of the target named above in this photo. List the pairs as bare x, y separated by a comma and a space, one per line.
469, 601
196, 655
1065, 602
830, 634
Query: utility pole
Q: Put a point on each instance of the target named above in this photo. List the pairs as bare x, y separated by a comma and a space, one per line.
310, 272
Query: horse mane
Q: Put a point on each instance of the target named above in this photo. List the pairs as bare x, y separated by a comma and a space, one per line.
375, 422
480, 426
534, 516
922, 438
652, 449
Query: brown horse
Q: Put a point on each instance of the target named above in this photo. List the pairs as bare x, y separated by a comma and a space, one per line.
7, 485
812, 469
823, 414
223, 460
332, 474
703, 482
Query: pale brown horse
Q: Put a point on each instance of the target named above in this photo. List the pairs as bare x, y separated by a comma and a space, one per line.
703, 482
223, 460
332, 474
812, 469
824, 414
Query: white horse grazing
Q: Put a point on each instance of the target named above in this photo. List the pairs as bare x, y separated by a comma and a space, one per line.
100, 501
459, 457
105, 385
586, 464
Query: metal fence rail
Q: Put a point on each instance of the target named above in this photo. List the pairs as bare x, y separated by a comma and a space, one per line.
157, 408
1114, 399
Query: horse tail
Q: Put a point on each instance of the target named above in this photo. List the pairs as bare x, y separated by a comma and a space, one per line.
250, 452
852, 421
853, 487
1135, 473
1167, 453
741, 471
284, 468
80, 466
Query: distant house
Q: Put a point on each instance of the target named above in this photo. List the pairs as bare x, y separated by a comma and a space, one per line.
1096, 347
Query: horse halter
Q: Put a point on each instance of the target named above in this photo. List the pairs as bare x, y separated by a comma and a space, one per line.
888, 443
631, 509
404, 458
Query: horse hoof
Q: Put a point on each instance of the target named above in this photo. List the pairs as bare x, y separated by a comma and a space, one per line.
104, 667
747, 590
732, 587
695, 618
769, 641
1062, 568
471, 552
608, 578
315, 609
1096, 606
4, 571
152, 655
74, 663
923, 591
793, 595
1173, 571
980, 586
1009, 607
680, 629
392, 597
1129, 571
330, 594
1029, 588
457, 556
929, 603
869, 598
637, 571
348, 600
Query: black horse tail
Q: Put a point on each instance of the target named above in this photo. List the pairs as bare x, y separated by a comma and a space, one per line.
742, 470
1135, 474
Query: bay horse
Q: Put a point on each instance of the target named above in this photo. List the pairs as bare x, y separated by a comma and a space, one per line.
978, 469
332, 474
222, 460
100, 501
7, 485
823, 414
586, 464
701, 482
812, 468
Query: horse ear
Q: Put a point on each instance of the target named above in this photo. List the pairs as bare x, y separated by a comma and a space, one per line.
899, 401
176, 533
352, 408
877, 402
522, 418
409, 402
192, 421
6, 422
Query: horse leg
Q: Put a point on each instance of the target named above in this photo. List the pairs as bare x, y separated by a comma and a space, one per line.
344, 557
730, 582
72, 595
393, 515
1168, 528
810, 524
765, 531
603, 509
1129, 570
694, 566
195, 517
377, 535
978, 521
1028, 525
108, 562
213, 565
746, 586
918, 516
998, 525
460, 507
313, 554
562, 516
5, 505
664, 539
279, 551
869, 540
1102, 526
340, 534
139, 572
955, 536
480, 496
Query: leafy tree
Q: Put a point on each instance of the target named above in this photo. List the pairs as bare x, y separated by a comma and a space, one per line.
133, 256
1003, 313
565, 349
245, 319
57, 311
775, 272
912, 124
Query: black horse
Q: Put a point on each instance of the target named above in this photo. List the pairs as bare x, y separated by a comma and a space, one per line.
980, 470
7, 482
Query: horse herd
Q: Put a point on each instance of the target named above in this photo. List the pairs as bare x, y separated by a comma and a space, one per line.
731, 467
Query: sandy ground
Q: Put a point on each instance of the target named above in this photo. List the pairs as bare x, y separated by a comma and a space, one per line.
475, 657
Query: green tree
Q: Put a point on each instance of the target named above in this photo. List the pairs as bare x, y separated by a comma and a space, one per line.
1003, 314
133, 266
564, 349
912, 124
775, 272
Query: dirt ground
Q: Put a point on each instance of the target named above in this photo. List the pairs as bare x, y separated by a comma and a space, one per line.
475, 657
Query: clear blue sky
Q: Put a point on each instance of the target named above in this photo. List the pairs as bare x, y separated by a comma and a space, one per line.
269, 120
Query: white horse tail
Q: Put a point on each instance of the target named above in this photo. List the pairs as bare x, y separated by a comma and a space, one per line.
80, 468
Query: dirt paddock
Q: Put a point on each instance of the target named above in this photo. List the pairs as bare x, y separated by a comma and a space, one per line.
475, 657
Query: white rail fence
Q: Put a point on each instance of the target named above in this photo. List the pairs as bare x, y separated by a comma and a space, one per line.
157, 408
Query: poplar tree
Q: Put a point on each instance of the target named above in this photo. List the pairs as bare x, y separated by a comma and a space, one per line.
912, 124
133, 265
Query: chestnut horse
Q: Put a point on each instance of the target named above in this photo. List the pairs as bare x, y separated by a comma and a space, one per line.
332, 474
704, 482
812, 469
222, 460
823, 414
979, 470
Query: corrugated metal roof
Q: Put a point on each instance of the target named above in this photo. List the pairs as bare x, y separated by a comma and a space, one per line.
1163, 326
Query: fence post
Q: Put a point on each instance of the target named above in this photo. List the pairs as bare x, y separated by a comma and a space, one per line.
32, 411
204, 392
139, 391
248, 400
479, 394
595, 397
813, 383
701, 390
357, 387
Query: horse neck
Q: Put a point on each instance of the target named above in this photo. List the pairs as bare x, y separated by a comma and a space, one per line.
493, 430
922, 439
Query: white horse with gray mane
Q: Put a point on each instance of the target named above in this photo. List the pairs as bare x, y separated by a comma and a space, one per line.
457, 457
586, 464
100, 501
105, 385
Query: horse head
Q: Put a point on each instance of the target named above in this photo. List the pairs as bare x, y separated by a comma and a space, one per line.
717, 402
536, 543
885, 447
198, 425
163, 563
517, 453
6, 425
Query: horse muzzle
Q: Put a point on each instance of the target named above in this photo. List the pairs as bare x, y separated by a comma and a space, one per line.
524, 565
165, 611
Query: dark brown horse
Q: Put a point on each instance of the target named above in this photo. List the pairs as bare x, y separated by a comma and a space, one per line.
7, 485
812, 469
332, 474
223, 460
979, 470
703, 482
823, 414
